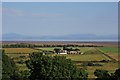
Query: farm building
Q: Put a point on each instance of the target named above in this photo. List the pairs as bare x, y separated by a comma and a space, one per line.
73, 52
63, 52
67, 51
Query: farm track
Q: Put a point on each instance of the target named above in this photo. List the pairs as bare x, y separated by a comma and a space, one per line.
107, 56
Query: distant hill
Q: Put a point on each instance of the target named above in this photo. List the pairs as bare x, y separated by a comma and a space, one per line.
79, 37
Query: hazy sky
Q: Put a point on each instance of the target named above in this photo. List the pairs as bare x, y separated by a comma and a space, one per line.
65, 18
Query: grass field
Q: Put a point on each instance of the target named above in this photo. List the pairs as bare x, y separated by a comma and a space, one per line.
47, 48
82, 49
16, 55
111, 67
111, 51
19, 50
90, 54
85, 57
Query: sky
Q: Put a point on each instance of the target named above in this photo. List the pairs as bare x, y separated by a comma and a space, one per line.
60, 0
60, 18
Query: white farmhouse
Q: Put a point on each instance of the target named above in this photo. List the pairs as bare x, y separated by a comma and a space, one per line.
63, 52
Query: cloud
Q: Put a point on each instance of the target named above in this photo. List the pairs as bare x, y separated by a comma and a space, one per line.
47, 15
20, 13
12, 12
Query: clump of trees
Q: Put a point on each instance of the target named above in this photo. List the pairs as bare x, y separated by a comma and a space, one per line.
26, 45
90, 64
20, 62
105, 61
101, 74
18, 45
70, 49
8, 68
44, 67
57, 50
105, 75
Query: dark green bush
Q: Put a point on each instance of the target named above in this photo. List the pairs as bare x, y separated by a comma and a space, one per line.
44, 67
8, 68
90, 64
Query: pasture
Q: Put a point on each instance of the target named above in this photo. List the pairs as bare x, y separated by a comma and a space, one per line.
90, 54
111, 51
19, 50
84, 57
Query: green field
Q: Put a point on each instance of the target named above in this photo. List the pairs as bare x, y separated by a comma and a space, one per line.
82, 49
109, 49
47, 48
89, 54
19, 50
85, 57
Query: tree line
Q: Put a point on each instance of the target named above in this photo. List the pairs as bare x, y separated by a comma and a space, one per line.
25, 45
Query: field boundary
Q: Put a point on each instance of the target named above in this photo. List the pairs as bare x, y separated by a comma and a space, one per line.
106, 55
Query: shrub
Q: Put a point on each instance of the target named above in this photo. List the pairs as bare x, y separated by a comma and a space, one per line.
90, 64
102, 74
105, 75
20, 62
104, 61
22, 56
8, 68
44, 67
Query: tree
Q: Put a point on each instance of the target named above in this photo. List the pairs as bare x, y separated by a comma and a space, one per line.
102, 74
65, 48
57, 50
8, 68
105, 75
44, 67
116, 75
76, 49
